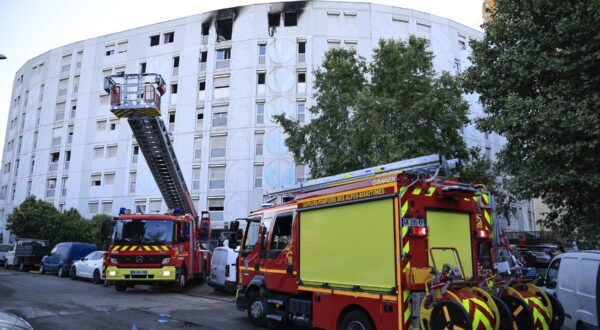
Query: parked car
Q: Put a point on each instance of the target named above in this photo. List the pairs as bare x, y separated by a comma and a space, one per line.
222, 270
10, 321
574, 279
62, 256
89, 267
26, 253
543, 253
4, 248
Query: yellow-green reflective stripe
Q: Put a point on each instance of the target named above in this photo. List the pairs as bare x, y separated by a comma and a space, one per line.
116, 248
430, 191
486, 215
403, 191
479, 317
155, 248
404, 231
133, 248
407, 267
147, 248
537, 315
485, 197
466, 305
166, 248
124, 248
406, 248
476, 198
484, 306
406, 294
417, 191
404, 208
406, 314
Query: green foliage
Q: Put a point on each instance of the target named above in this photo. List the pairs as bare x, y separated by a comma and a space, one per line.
38, 219
537, 73
394, 108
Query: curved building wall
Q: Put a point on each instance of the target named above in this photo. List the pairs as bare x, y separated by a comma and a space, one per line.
228, 73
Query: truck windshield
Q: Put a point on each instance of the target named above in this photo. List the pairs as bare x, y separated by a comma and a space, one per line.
143, 232
251, 237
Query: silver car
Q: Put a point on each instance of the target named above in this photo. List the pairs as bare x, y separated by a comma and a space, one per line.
12, 322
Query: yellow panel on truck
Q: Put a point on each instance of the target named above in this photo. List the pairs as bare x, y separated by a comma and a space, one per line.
450, 229
350, 245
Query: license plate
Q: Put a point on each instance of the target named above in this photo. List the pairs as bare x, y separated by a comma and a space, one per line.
138, 272
412, 222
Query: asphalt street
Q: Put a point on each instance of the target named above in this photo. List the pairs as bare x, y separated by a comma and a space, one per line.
49, 302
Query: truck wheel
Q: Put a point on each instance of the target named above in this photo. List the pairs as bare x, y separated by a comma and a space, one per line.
96, 277
73, 273
42, 269
356, 320
121, 286
22, 266
257, 309
61, 272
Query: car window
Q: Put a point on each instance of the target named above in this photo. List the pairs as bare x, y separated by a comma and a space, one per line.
552, 274
91, 256
4, 248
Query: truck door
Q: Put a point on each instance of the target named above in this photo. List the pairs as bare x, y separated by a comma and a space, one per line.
278, 267
249, 260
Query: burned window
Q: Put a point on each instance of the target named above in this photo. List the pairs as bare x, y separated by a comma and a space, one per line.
169, 37
224, 28
301, 77
173, 88
154, 40
205, 29
203, 57
274, 19
261, 78
290, 18
202, 85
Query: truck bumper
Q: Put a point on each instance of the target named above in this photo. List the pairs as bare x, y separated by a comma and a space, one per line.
240, 298
165, 273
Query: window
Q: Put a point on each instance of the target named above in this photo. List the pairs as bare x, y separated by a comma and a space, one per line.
290, 18
258, 175
109, 49
70, 130
260, 113
67, 159
28, 188
155, 205
196, 178
223, 57
262, 52
63, 85
93, 207
274, 19
96, 180
333, 44
54, 158
301, 51
301, 87
457, 66
219, 118
175, 65
224, 29
216, 177
218, 146
462, 42
300, 173
216, 208
282, 234
134, 154
132, 182
205, 32
258, 150
552, 274
424, 31
32, 165
107, 207
73, 109
400, 27
301, 113
122, 47
111, 151
221, 86
59, 113
101, 125
109, 179
114, 124
154, 40
199, 119
63, 186
203, 59
17, 161
98, 152
66, 65
198, 148
56, 136
169, 37
261, 78
140, 207
260, 89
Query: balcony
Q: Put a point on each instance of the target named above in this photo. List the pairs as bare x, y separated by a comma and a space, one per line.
56, 141
223, 64
53, 167
50, 193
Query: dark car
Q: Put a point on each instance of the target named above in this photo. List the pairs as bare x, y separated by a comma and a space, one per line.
63, 255
544, 253
528, 256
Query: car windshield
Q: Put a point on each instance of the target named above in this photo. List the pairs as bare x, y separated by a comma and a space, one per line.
4, 248
143, 232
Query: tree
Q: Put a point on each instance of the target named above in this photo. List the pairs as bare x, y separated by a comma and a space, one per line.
536, 71
33, 219
394, 108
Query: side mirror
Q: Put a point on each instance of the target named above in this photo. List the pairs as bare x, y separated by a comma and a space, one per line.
540, 281
82, 259
233, 226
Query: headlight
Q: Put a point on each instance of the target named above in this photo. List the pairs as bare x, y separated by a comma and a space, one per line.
112, 273
114, 261
165, 273
166, 261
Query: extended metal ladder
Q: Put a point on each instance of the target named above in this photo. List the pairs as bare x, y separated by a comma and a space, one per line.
428, 163
137, 98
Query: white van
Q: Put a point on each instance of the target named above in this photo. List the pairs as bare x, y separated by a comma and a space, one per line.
574, 278
222, 270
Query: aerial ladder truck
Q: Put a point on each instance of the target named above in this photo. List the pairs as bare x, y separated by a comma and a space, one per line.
154, 248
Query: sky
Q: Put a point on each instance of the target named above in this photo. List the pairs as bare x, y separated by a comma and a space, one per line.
29, 28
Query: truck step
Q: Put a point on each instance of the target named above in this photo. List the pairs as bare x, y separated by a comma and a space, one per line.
275, 317
275, 301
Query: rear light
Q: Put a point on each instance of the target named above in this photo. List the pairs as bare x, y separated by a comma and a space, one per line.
226, 270
480, 233
419, 231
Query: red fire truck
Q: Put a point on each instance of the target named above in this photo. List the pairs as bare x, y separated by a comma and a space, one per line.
154, 248
389, 247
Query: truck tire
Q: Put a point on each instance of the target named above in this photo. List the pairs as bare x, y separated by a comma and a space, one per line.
96, 277
257, 309
73, 273
121, 286
61, 272
356, 320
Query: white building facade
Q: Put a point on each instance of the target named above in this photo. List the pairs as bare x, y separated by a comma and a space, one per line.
228, 72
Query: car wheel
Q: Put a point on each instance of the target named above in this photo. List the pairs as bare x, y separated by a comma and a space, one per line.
61, 272
356, 319
42, 269
121, 286
96, 277
257, 310
73, 273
